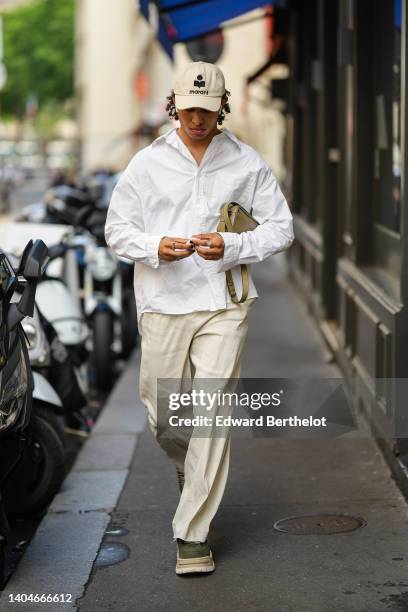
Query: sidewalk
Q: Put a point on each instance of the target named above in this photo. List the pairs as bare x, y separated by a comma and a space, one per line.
258, 569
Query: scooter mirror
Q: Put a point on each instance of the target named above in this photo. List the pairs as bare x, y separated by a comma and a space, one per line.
23, 258
35, 261
33, 269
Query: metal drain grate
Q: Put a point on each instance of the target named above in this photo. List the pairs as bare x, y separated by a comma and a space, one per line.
319, 524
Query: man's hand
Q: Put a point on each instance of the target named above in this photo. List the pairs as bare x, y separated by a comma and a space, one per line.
209, 246
172, 248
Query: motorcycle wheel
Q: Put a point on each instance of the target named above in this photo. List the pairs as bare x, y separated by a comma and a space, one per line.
102, 343
52, 419
128, 323
45, 462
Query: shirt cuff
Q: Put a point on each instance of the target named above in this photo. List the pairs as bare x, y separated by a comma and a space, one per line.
152, 248
231, 248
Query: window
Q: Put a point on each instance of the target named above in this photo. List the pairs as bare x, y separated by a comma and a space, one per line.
386, 44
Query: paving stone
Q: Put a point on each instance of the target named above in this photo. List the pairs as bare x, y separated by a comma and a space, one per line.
84, 491
106, 452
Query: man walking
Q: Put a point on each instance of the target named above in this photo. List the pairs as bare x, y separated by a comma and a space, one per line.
163, 215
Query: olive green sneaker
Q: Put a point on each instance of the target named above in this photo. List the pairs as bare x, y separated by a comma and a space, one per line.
180, 479
194, 557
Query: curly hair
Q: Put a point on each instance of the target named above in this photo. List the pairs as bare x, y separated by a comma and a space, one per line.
172, 111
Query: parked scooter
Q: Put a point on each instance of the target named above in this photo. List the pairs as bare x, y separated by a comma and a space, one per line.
106, 287
102, 281
46, 401
53, 295
61, 306
40, 474
57, 390
16, 383
105, 183
102, 302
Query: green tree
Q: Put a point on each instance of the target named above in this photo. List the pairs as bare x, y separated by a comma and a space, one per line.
38, 53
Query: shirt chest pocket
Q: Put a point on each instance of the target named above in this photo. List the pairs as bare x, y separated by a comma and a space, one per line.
168, 188
225, 188
167, 194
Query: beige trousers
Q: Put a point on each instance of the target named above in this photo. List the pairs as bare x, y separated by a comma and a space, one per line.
197, 345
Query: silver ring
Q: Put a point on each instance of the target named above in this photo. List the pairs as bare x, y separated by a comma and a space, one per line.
209, 243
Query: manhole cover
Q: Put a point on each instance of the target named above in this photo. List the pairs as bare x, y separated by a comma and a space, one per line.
319, 524
111, 553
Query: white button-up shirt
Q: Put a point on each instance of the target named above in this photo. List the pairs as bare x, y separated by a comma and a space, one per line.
164, 192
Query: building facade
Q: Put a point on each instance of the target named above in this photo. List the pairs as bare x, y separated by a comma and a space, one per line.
112, 46
347, 186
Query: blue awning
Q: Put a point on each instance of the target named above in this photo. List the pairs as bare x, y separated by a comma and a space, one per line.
181, 20
397, 13
144, 8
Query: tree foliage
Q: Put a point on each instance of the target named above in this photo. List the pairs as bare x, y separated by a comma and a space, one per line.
38, 53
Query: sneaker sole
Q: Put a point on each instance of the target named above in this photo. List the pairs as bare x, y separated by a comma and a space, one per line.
195, 565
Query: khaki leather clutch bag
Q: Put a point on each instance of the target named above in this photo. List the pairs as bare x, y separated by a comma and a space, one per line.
236, 219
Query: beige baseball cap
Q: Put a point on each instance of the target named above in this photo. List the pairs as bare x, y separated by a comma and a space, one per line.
200, 85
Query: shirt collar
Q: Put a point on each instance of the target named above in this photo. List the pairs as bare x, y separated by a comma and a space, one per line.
167, 137
171, 137
232, 137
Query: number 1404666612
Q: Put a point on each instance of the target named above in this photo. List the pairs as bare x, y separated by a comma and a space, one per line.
40, 598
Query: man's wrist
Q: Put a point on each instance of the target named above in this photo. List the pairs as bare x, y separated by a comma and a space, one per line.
158, 248
153, 243
231, 247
